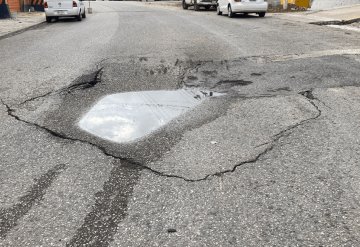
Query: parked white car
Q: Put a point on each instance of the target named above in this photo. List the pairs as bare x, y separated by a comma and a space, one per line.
64, 8
207, 4
231, 7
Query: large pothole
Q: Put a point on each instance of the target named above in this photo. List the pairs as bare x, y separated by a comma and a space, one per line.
125, 117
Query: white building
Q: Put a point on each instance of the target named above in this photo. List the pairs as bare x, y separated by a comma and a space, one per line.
327, 4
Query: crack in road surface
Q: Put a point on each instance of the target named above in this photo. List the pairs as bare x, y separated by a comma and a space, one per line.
36, 97
81, 83
10, 216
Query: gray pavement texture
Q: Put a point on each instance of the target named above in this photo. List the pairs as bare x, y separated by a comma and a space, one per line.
273, 161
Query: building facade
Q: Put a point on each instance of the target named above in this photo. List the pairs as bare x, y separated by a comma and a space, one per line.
25, 5
14, 5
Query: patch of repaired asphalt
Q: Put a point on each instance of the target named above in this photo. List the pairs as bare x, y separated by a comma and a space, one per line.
261, 76
249, 128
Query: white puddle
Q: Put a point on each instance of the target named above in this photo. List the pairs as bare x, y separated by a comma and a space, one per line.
124, 117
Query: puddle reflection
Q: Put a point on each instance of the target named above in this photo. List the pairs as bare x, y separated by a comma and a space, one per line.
124, 117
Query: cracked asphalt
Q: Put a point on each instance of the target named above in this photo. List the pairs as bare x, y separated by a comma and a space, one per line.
272, 161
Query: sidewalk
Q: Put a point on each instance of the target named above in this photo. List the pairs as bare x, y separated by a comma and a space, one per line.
336, 16
22, 22
176, 4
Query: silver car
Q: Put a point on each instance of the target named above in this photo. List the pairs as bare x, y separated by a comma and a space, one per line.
231, 7
207, 4
64, 8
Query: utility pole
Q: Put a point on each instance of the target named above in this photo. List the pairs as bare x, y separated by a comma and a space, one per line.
89, 9
285, 5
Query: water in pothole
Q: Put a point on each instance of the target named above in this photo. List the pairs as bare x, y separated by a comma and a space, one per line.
125, 117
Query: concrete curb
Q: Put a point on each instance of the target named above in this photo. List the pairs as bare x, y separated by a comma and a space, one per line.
335, 22
19, 31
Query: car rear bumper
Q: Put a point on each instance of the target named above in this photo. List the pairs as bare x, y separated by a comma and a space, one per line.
62, 12
238, 7
206, 3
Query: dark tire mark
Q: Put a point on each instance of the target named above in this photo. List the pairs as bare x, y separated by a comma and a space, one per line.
10, 216
191, 77
232, 83
177, 62
162, 70
210, 72
143, 59
100, 225
171, 230
257, 74
287, 89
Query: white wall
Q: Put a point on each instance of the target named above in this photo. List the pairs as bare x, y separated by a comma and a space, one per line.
327, 4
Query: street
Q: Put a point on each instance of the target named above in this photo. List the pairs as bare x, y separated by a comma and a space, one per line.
270, 159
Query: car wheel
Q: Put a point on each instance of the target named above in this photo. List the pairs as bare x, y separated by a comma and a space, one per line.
218, 12
48, 19
79, 17
84, 15
230, 13
262, 14
184, 5
196, 6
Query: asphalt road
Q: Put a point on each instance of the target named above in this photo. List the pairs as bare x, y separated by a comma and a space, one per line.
274, 161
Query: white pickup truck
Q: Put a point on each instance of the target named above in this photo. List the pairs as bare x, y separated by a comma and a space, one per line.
207, 4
